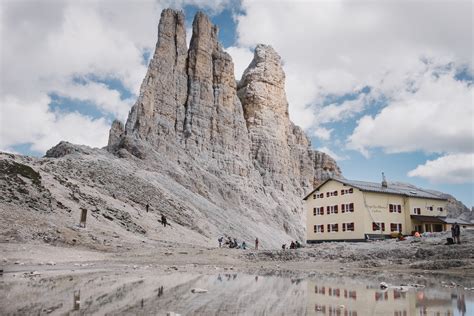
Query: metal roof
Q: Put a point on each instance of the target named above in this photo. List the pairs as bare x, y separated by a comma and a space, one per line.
397, 188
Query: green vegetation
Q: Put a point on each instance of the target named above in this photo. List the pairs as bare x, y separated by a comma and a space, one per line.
13, 169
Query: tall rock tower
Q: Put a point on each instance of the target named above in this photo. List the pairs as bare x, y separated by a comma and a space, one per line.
244, 164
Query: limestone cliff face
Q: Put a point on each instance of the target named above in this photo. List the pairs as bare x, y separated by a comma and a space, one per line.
158, 115
280, 150
233, 146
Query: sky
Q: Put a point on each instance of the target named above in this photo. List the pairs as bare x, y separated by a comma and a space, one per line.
381, 86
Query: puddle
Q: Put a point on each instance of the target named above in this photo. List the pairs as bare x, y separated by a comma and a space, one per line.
231, 294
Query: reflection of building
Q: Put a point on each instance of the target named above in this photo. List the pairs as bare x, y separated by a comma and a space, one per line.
354, 299
340, 209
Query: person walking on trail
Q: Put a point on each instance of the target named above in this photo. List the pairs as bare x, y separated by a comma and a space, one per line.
456, 233
163, 220
256, 243
220, 241
147, 207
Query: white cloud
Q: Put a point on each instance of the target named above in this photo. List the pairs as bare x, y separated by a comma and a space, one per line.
336, 47
331, 153
322, 133
339, 112
457, 168
43, 128
241, 57
436, 117
49, 43
107, 100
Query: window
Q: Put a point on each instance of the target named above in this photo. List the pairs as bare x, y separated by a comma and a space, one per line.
429, 208
381, 296
348, 227
417, 210
347, 207
440, 209
350, 294
347, 191
376, 226
393, 208
395, 227
319, 228
333, 228
331, 209
318, 196
318, 211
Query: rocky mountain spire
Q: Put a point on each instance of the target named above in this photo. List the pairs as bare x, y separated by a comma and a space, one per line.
158, 114
214, 121
230, 152
262, 92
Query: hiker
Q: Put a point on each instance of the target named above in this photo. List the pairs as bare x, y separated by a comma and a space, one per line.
163, 220
292, 245
220, 241
244, 245
297, 244
456, 233
147, 207
283, 246
256, 243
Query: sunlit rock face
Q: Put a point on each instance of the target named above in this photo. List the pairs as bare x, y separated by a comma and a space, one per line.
235, 144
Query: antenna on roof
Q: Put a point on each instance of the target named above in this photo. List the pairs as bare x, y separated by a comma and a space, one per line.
384, 181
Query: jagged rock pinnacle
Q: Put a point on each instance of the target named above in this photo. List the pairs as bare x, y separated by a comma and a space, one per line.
235, 145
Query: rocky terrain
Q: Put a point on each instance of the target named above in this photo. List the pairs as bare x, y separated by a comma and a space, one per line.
212, 155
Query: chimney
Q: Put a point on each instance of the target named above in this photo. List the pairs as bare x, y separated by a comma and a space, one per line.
384, 181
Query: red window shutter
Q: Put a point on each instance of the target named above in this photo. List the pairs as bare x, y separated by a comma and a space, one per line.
343, 207
322, 228
335, 193
327, 194
337, 227
327, 209
343, 227
400, 229
335, 209
399, 208
352, 207
342, 192
383, 227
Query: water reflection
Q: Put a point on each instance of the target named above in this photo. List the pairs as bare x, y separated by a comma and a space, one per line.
353, 299
225, 294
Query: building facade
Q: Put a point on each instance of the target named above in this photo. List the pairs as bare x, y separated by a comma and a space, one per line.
340, 209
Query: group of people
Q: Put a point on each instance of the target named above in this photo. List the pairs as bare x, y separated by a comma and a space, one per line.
232, 243
294, 245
